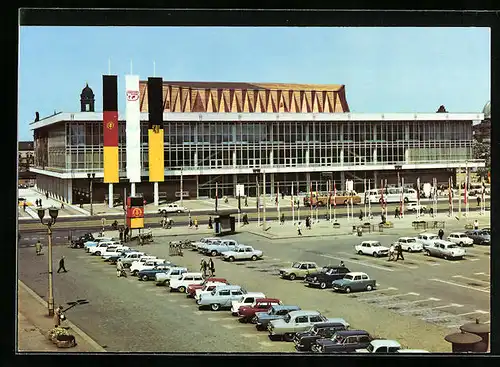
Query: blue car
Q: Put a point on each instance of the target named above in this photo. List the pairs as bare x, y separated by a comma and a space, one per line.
150, 274
261, 319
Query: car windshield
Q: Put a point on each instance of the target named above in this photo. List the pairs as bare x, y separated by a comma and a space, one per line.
287, 318
433, 237
337, 338
451, 246
370, 348
213, 292
325, 270
271, 311
411, 240
348, 277
296, 265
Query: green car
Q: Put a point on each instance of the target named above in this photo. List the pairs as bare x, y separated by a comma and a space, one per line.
299, 269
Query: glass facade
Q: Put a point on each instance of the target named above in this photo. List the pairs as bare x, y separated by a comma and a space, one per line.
78, 146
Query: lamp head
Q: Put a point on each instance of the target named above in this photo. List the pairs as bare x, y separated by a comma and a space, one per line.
41, 214
53, 212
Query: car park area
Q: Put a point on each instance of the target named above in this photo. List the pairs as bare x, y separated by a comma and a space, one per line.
416, 302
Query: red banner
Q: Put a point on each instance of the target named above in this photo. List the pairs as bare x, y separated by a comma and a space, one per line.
110, 121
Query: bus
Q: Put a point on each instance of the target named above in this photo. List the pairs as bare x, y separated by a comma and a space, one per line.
391, 195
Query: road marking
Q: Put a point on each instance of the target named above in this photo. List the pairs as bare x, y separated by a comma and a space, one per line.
392, 296
199, 313
356, 262
473, 259
227, 326
476, 251
213, 318
459, 315
184, 306
172, 300
486, 275
472, 279
378, 259
267, 344
412, 302
460, 285
275, 259
249, 335
430, 308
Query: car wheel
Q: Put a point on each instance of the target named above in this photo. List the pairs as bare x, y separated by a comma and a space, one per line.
292, 276
461, 244
427, 252
253, 258
213, 253
360, 252
145, 277
348, 290
98, 253
178, 211
182, 289
288, 337
134, 273
231, 258
409, 250
375, 254
320, 203
215, 306
406, 200
369, 287
445, 257
322, 285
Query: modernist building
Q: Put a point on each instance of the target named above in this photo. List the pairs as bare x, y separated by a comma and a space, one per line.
233, 133
26, 159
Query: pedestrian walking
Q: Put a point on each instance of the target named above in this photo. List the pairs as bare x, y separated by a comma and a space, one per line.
361, 214
283, 195
120, 234
478, 200
211, 266
119, 269
190, 222
299, 229
246, 200
308, 223
276, 201
196, 222
57, 316
391, 253
245, 219
399, 252
431, 212
476, 224
440, 233
282, 219
24, 205
62, 205
38, 248
125, 234
341, 264
201, 265
210, 225
204, 266
396, 212
47, 195
61, 265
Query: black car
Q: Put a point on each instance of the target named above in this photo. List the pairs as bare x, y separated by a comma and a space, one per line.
80, 241
479, 236
305, 339
346, 341
327, 275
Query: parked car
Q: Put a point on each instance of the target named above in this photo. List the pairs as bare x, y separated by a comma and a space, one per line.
96, 241
80, 241
101, 247
299, 269
242, 252
114, 258
207, 289
410, 244
262, 319
191, 290
217, 248
381, 346
246, 313
324, 278
445, 249
198, 245
163, 278
172, 208
293, 322
427, 239
136, 267
479, 237
460, 238
150, 274
221, 297
414, 207
128, 259
245, 300
181, 283
373, 248
346, 341
305, 339
113, 250
355, 281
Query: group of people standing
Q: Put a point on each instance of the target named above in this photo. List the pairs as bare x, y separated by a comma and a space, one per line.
207, 268
395, 252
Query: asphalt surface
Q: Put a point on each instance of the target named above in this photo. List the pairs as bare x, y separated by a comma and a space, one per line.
418, 300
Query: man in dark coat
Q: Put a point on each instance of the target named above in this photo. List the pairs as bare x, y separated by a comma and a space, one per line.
282, 219
441, 233
210, 223
399, 252
211, 266
204, 266
61, 265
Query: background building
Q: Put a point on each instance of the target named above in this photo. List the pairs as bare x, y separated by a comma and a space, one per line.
231, 133
26, 159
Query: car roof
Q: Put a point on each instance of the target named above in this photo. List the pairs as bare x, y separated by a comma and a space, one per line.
286, 307
188, 274
304, 262
371, 241
228, 286
428, 234
457, 233
354, 273
216, 279
254, 294
304, 313
331, 323
444, 242
385, 342
406, 238
352, 332
264, 299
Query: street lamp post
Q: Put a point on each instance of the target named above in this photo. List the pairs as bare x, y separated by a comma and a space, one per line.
91, 177
53, 212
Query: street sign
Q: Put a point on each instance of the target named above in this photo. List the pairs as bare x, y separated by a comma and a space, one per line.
240, 190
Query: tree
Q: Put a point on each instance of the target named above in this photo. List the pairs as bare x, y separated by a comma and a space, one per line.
482, 151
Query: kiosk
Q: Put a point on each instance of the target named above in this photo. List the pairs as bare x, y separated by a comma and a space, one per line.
224, 222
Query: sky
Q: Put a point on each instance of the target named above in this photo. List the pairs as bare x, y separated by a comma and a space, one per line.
384, 69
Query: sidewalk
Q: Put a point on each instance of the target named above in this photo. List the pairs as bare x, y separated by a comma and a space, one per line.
31, 194
34, 323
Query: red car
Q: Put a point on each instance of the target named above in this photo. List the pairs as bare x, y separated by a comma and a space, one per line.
246, 313
191, 290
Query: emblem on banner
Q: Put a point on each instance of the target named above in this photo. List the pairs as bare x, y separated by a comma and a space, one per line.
110, 125
156, 129
132, 95
136, 212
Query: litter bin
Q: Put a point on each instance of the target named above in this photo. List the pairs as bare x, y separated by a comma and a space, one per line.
217, 228
481, 330
462, 342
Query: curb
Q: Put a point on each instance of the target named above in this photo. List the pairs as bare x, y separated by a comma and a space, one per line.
77, 330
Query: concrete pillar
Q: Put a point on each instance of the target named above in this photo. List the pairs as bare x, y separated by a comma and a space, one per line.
374, 155
156, 197
271, 157
375, 178
195, 163
341, 157
234, 158
110, 195
342, 181
235, 182
70, 191
272, 185
307, 157
308, 180
407, 156
132, 189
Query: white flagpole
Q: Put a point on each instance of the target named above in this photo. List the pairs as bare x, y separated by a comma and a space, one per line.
298, 206
403, 197
278, 202
466, 189
317, 208
369, 201
418, 197
293, 207
330, 200
460, 199
334, 202
364, 188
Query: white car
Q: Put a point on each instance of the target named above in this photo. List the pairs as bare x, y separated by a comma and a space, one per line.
182, 282
102, 246
373, 248
113, 250
172, 208
95, 242
242, 252
202, 245
245, 300
410, 244
207, 289
445, 249
136, 267
164, 278
461, 239
413, 207
427, 239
